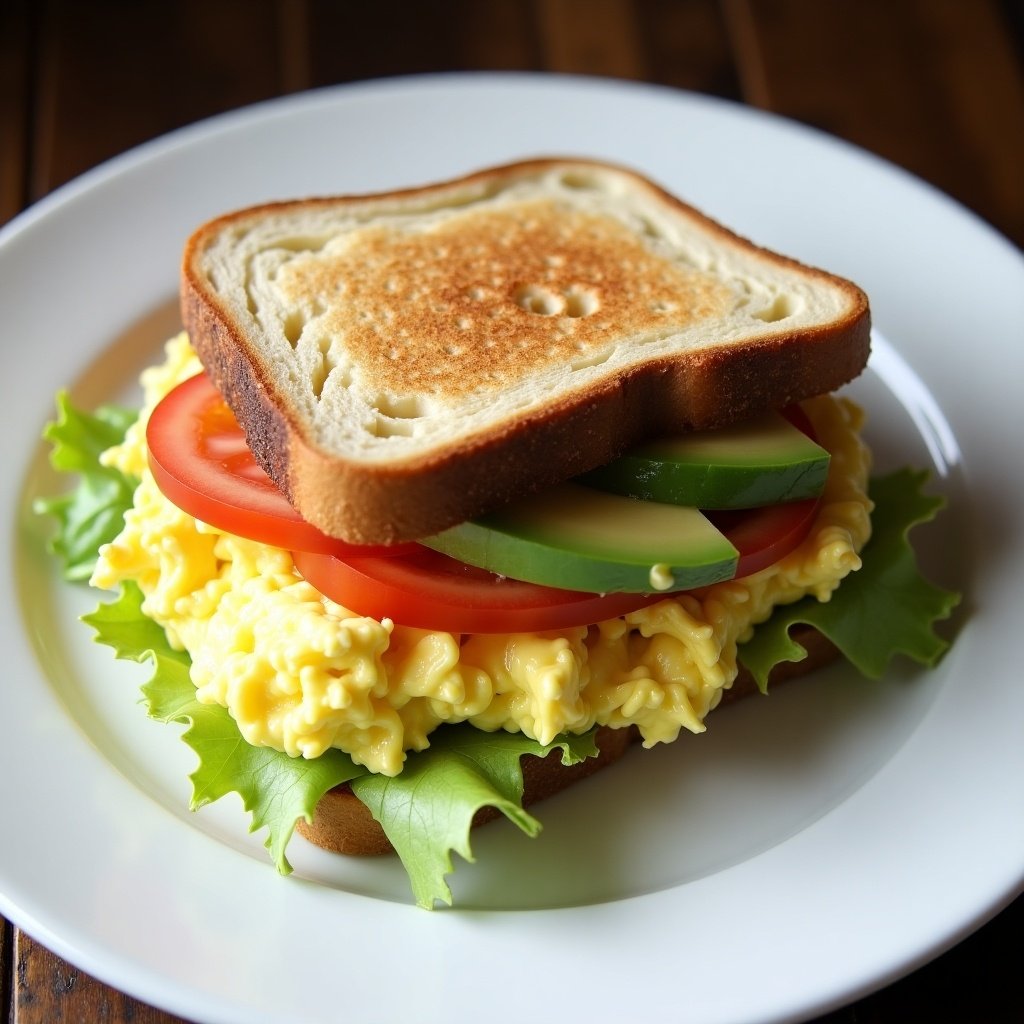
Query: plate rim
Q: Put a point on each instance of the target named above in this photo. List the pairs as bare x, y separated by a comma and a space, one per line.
249, 116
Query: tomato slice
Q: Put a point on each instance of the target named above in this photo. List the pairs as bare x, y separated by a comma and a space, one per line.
764, 535
200, 461
432, 591
796, 415
429, 590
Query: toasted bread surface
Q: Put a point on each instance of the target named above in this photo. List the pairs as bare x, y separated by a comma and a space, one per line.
402, 362
343, 824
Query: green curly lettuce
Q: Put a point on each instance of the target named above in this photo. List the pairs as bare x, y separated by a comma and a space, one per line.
93, 513
428, 810
463, 771
277, 790
884, 609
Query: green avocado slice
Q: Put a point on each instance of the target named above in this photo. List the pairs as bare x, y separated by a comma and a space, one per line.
578, 538
760, 462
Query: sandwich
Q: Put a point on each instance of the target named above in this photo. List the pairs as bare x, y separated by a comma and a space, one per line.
446, 496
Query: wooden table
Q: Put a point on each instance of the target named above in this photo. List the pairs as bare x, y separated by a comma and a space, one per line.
936, 86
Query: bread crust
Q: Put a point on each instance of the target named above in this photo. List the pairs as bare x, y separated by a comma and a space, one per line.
408, 498
343, 824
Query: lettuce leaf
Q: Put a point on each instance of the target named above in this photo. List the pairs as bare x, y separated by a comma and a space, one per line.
277, 790
427, 811
884, 609
93, 513
463, 771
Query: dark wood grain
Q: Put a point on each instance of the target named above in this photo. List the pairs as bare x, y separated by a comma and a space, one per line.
936, 86
15, 107
113, 74
600, 38
921, 83
6, 969
688, 47
48, 990
359, 41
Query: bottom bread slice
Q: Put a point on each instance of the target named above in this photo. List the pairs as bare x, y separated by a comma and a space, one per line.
343, 824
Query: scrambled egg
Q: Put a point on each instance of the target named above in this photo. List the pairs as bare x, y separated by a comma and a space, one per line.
302, 674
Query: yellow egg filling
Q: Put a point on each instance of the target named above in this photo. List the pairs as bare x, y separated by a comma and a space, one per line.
302, 674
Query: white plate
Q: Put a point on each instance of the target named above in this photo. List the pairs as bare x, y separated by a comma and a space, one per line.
806, 849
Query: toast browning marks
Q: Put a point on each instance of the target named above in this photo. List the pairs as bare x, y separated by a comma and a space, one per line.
444, 302
469, 307
406, 361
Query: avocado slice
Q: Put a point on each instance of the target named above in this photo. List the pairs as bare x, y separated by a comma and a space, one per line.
759, 462
578, 538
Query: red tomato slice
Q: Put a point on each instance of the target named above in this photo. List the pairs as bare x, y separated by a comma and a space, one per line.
764, 535
432, 591
200, 461
796, 415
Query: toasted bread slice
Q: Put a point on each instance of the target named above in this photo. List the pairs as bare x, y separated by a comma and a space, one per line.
403, 362
343, 824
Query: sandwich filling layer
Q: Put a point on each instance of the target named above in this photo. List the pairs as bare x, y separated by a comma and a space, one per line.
301, 674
